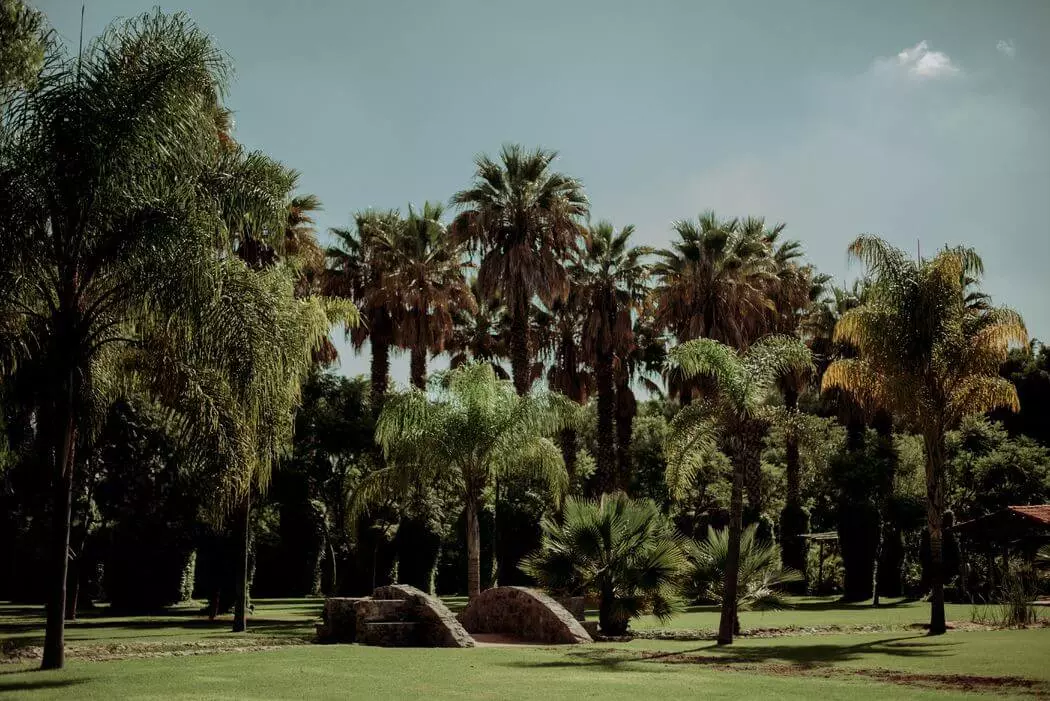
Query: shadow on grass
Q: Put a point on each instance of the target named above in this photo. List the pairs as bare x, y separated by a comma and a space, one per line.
803, 656
29, 683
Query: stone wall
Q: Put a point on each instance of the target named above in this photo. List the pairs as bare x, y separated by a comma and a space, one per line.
338, 620
439, 626
522, 613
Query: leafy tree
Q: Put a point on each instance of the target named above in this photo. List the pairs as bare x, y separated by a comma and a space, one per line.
609, 279
761, 574
930, 356
734, 417
524, 219
476, 430
623, 550
23, 45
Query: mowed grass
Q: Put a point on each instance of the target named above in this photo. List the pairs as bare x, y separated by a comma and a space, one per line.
894, 662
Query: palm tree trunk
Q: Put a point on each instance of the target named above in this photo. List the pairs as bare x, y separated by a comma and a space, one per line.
607, 473
793, 518
380, 371
519, 351
473, 550
626, 408
727, 624
243, 530
935, 450
63, 456
567, 440
419, 367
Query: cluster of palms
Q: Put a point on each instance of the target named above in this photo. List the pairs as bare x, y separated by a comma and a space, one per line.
738, 325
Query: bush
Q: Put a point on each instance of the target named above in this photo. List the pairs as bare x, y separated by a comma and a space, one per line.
626, 552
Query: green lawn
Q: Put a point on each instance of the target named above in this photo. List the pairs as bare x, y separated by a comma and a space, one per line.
891, 663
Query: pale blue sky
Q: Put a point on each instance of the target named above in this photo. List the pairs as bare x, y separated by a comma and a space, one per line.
918, 120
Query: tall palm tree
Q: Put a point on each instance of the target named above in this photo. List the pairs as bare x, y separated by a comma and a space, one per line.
713, 282
609, 278
524, 218
427, 284
357, 270
478, 429
930, 356
115, 184
479, 334
567, 373
736, 418
640, 361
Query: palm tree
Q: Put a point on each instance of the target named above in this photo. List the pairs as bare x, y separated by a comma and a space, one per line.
479, 334
929, 355
625, 551
713, 282
567, 373
609, 278
736, 418
640, 361
427, 282
104, 232
476, 430
23, 45
524, 219
761, 575
356, 270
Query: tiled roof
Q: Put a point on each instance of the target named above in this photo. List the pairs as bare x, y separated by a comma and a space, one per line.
1037, 512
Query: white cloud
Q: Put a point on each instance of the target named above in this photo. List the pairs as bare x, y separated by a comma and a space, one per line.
920, 63
1006, 48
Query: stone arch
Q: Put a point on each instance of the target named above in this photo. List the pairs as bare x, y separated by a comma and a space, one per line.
523, 613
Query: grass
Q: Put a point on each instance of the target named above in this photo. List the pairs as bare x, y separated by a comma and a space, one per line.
858, 666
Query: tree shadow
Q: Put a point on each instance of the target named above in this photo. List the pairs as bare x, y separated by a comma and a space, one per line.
36, 684
800, 655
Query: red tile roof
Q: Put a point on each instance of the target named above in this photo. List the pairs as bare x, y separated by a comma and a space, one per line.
1036, 512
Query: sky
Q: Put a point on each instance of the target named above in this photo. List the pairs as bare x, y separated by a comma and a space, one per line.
926, 122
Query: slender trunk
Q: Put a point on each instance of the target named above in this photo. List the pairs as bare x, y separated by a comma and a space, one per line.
519, 351
607, 477
626, 408
728, 622
62, 482
243, 530
380, 371
333, 586
473, 550
568, 451
793, 519
934, 441
419, 367
608, 623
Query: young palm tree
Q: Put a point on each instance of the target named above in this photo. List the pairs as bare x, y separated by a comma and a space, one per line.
107, 222
714, 280
625, 551
427, 282
609, 280
928, 354
760, 578
524, 219
476, 430
735, 418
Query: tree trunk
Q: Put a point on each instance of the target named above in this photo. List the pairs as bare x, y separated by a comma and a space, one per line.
934, 516
419, 367
521, 368
728, 622
567, 439
240, 610
473, 550
62, 482
607, 622
606, 458
626, 408
380, 371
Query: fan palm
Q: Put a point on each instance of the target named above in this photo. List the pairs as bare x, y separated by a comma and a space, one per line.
476, 430
735, 417
760, 577
713, 281
357, 271
426, 278
524, 219
625, 551
928, 354
609, 278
